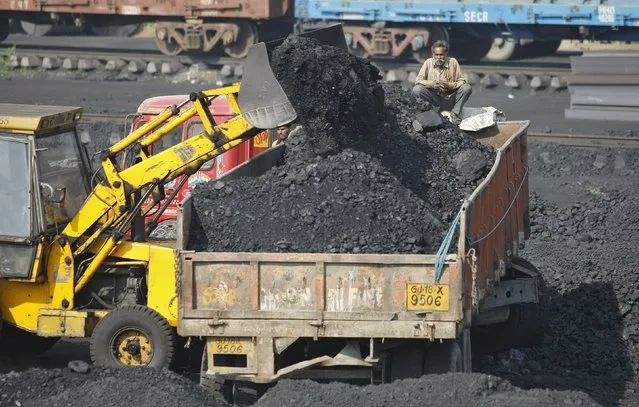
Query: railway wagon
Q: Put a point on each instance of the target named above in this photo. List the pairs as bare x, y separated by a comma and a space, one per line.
229, 27
495, 29
366, 317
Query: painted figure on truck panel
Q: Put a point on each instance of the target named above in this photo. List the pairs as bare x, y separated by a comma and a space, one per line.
440, 83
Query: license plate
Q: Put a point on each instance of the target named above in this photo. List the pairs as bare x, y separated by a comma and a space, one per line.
230, 346
427, 297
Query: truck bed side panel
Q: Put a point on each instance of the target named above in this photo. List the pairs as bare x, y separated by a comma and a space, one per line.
494, 221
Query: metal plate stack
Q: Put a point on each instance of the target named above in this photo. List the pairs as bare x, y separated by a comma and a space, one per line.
604, 85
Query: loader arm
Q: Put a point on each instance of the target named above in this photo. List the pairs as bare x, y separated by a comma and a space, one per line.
110, 208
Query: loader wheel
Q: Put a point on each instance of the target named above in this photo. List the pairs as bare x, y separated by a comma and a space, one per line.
524, 327
133, 335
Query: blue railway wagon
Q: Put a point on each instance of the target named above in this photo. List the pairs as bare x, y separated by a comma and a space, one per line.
398, 28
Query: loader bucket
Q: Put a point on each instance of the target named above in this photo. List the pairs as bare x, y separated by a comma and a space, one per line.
262, 101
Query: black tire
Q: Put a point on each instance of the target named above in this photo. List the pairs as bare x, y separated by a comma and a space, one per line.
445, 357
525, 326
220, 388
407, 361
145, 326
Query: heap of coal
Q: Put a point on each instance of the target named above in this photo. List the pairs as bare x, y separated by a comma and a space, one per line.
144, 387
452, 389
363, 176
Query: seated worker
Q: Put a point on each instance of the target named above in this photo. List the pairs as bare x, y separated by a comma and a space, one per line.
440, 83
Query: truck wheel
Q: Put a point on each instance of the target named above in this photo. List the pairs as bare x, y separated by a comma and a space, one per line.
407, 361
445, 357
524, 327
233, 392
133, 335
220, 388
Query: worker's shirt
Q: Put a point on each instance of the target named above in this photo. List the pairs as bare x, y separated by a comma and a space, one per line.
450, 72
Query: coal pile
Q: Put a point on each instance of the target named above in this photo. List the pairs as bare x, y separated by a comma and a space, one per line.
587, 254
362, 175
459, 389
309, 206
337, 96
101, 386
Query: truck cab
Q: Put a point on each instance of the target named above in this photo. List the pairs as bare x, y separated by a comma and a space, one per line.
213, 169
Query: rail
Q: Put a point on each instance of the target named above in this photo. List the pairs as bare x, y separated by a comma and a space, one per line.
576, 140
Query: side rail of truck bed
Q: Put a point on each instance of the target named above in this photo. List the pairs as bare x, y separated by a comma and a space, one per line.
494, 222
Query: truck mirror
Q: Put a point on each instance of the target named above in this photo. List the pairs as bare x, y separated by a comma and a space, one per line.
58, 195
85, 137
53, 195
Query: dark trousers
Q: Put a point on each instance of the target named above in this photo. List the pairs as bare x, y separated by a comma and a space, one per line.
454, 102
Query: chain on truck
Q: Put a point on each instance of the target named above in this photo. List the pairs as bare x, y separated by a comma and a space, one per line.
76, 260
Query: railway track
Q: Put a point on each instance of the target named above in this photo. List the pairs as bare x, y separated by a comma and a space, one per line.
143, 49
577, 140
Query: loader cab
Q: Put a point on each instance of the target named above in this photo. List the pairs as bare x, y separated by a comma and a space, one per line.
43, 179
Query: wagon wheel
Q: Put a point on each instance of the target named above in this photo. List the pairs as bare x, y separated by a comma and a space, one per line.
36, 30
127, 30
502, 50
133, 335
4, 29
246, 36
166, 44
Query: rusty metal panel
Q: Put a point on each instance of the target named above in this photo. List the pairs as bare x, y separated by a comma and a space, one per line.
224, 286
253, 9
495, 216
290, 286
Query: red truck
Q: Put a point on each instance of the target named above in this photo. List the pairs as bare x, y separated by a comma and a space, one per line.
213, 169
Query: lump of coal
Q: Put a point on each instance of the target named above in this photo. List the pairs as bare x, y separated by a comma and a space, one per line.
471, 164
430, 120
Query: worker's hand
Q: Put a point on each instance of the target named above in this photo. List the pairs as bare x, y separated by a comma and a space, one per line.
444, 86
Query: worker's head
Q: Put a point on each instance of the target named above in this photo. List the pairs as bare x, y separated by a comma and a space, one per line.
439, 51
282, 132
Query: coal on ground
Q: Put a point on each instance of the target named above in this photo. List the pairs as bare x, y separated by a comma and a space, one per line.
586, 250
552, 160
102, 386
454, 389
366, 173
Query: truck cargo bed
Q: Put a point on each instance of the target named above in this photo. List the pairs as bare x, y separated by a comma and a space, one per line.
256, 305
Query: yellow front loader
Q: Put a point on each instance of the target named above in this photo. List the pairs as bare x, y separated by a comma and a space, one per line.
74, 257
